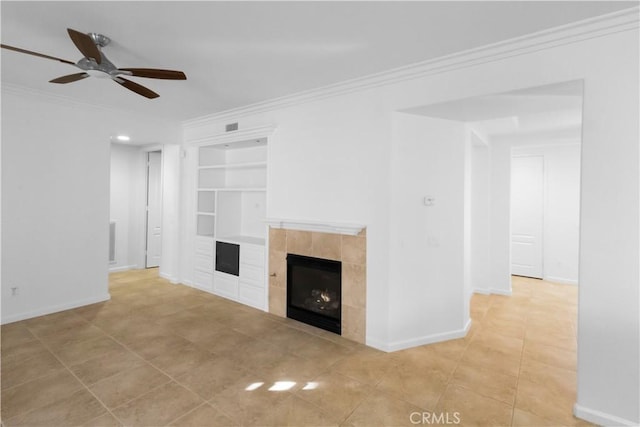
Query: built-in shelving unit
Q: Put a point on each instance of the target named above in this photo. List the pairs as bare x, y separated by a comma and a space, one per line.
231, 185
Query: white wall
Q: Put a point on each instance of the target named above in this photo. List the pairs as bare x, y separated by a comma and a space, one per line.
330, 161
55, 199
124, 186
427, 242
480, 218
171, 202
561, 234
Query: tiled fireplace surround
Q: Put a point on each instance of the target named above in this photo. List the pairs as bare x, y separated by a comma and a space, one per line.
350, 250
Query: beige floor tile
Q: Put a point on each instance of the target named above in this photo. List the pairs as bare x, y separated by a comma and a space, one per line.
93, 370
74, 334
130, 384
17, 370
74, 410
486, 382
15, 334
549, 355
150, 348
204, 415
38, 393
158, 407
336, 394
225, 341
23, 350
419, 384
323, 351
52, 323
176, 361
473, 409
296, 412
84, 350
367, 366
212, 376
248, 400
106, 420
485, 356
381, 410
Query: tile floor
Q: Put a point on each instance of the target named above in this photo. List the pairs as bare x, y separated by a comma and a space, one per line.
161, 354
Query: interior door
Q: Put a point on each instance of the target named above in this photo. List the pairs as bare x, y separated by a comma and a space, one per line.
527, 213
154, 209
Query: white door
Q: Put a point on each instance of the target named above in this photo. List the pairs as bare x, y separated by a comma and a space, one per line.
527, 210
154, 206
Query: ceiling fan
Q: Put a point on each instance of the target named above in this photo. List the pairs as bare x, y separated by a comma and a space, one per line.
95, 63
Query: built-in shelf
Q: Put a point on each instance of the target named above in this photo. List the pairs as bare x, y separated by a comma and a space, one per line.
319, 226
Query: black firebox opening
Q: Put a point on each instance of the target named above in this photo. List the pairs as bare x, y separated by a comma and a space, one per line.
314, 291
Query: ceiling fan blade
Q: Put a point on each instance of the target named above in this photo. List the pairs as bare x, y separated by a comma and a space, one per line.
155, 73
85, 45
135, 87
41, 55
70, 78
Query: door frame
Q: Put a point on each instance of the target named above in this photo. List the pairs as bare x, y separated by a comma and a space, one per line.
142, 205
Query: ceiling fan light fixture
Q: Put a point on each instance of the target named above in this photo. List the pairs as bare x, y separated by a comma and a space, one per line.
123, 138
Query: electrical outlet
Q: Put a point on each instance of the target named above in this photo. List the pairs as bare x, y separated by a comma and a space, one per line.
14, 291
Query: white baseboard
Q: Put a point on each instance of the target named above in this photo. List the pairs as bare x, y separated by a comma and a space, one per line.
561, 280
54, 309
427, 339
122, 268
482, 291
501, 292
170, 278
600, 418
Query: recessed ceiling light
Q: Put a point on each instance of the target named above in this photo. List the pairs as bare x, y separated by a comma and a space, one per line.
123, 138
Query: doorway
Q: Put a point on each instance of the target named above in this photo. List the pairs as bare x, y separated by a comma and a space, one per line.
153, 210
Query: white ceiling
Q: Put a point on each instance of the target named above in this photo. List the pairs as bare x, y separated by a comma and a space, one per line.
238, 53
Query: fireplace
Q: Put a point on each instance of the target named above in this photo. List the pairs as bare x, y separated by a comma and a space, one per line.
314, 291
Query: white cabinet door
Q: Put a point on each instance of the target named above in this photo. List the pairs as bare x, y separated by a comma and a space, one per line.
527, 212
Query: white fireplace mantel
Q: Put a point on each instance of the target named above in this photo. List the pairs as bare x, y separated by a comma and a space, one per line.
319, 226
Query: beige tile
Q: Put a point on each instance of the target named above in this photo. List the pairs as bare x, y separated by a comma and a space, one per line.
74, 410
486, 382
158, 345
526, 419
101, 367
419, 384
354, 285
381, 410
158, 407
225, 341
204, 415
38, 393
52, 323
278, 269
212, 377
486, 356
23, 350
74, 334
176, 361
294, 369
299, 242
547, 392
278, 301
248, 400
17, 370
354, 250
294, 411
326, 245
354, 323
473, 409
322, 351
277, 239
336, 394
120, 388
84, 350
15, 334
367, 366
106, 420
550, 355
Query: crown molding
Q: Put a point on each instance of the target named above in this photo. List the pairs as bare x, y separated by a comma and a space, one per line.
599, 26
238, 135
